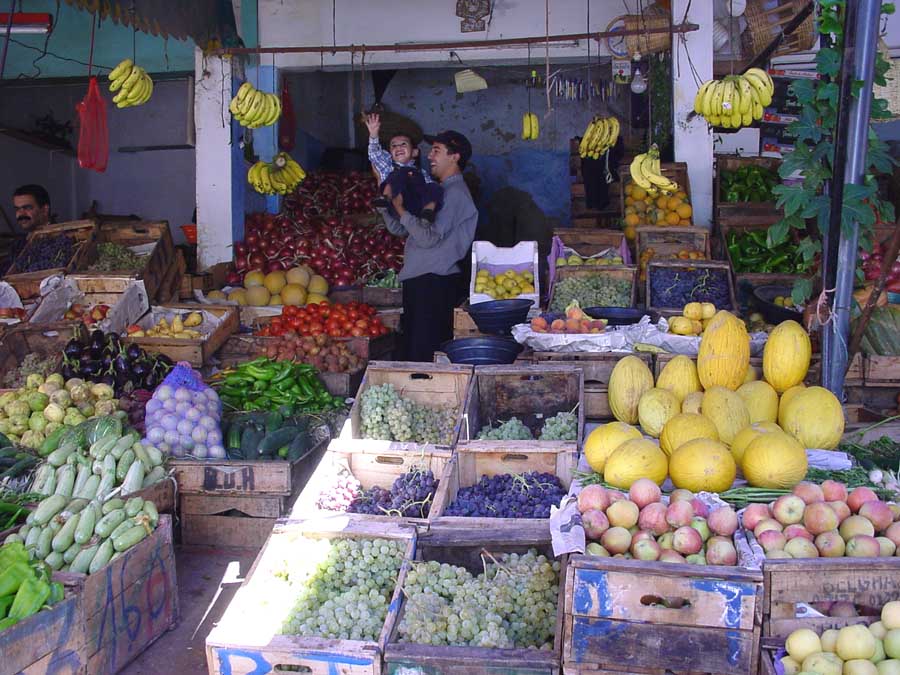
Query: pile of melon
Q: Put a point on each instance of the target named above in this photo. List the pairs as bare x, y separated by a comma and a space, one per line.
715, 416
297, 286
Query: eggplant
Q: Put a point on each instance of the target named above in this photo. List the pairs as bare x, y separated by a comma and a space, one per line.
90, 369
73, 349
162, 358
134, 352
113, 341
97, 338
68, 371
121, 365
140, 369
95, 352
151, 380
106, 362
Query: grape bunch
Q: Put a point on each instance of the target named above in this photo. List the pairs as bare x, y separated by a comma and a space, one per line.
386, 416
675, 287
512, 604
45, 253
512, 429
594, 291
561, 427
346, 595
527, 495
341, 494
410, 496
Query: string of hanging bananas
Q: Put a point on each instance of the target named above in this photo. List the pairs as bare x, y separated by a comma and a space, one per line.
601, 134
133, 84
531, 128
281, 176
735, 101
253, 108
646, 172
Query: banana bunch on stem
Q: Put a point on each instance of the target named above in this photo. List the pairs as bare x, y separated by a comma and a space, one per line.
253, 108
530, 127
601, 134
280, 177
646, 172
735, 101
132, 83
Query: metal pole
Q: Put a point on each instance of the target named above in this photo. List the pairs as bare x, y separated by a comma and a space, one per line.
831, 230
863, 70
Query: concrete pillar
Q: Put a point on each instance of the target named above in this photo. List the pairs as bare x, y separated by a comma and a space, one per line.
693, 139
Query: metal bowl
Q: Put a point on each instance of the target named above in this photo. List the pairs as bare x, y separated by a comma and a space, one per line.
497, 317
482, 351
620, 316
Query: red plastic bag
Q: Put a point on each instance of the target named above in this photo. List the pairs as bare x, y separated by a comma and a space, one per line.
93, 134
287, 125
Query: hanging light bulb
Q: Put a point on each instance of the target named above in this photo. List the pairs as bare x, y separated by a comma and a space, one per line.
638, 82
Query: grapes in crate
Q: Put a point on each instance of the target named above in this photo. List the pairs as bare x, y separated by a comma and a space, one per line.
386, 416
561, 427
674, 287
600, 290
410, 496
46, 253
528, 495
511, 604
511, 430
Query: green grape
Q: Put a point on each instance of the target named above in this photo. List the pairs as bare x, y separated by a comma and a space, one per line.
561, 427
384, 415
601, 290
511, 430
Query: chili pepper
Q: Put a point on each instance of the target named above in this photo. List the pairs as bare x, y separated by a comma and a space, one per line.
283, 374
259, 373
30, 597
236, 381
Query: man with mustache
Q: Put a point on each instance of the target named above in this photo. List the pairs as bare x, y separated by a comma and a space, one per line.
31, 204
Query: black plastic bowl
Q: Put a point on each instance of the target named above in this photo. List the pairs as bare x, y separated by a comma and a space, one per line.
764, 297
482, 351
620, 316
497, 317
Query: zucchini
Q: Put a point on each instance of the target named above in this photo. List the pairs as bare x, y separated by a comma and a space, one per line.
130, 537
40, 478
24, 530
99, 449
83, 560
85, 529
97, 467
73, 507
101, 559
54, 559
71, 552
55, 525
134, 478
15, 537
112, 505
152, 513
19, 467
121, 527
84, 472
65, 481
124, 444
44, 543
109, 522
155, 456
48, 508
133, 506
272, 441
124, 464
89, 491
140, 452
33, 534
300, 446
250, 438
59, 456
66, 535
107, 483
155, 475
233, 437
50, 485
109, 465
273, 422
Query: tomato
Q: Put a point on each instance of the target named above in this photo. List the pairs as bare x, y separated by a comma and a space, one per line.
334, 332
316, 328
356, 331
362, 323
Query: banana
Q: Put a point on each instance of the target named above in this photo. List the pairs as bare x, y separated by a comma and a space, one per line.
526, 127
582, 146
763, 76
124, 65
132, 79
746, 94
601, 138
277, 114
709, 98
137, 91
120, 97
243, 91
264, 179
736, 119
728, 102
535, 127
701, 93
635, 171
265, 110
762, 88
715, 105
119, 79
757, 110
275, 178
714, 120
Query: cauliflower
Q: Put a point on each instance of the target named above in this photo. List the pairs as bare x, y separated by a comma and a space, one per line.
37, 401
57, 379
37, 422
72, 383
34, 381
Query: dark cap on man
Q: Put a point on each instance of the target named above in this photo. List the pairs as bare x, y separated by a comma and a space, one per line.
456, 144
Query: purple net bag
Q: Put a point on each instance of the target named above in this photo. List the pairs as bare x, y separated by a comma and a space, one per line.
182, 375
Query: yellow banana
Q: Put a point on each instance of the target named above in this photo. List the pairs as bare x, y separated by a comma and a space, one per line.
701, 92
635, 170
137, 91
526, 127
761, 86
123, 67
747, 119
709, 98
757, 112
582, 146
746, 95
243, 90
763, 76
535, 127
728, 105
119, 80
133, 77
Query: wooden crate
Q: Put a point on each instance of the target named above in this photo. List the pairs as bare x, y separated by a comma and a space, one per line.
46, 340
869, 582
130, 603
382, 297
624, 616
626, 272
27, 284
677, 171
469, 464
751, 278
463, 325
736, 213
196, 352
247, 641
161, 493
424, 383
597, 367
881, 371
444, 545
51, 641
158, 263
688, 265
589, 241
370, 468
666, 242
531, 393
380, 347
391, 318
340, 295
236, 502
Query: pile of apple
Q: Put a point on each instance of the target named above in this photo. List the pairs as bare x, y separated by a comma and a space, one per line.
852, 650
825, 521
641, 527
88, 314
12, 313
576, 322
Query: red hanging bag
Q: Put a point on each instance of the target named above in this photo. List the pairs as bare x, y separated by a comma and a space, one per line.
93, 133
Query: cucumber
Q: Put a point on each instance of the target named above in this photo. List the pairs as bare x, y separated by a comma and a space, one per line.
51, 443
89, 491
140, 452
134, 478
66, 535
84, 472
250, 438
55, 525
154, 456
131, 537
109, 465
273, 422
133, 506
59, 456
109, 522
124, 444
272, 441
152, 513
82, 561
73, 458
50, 485
124, 464
54, 559
40, 478
65, 481
107, 483
101, 559
121, 527
112, 505
85, 529
71, 552
24, 530
73, 507
155, 475
97, 467
33, 535
99, 449
299, 447
44, 543
48, 508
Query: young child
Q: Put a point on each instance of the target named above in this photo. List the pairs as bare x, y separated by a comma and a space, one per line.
398, 174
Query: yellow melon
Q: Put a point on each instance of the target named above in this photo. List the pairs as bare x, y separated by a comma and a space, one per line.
656, 407
316, 299
680, 377
786, 356
299, 276
258, 295
686, 427
815, 417
785, 399
638, 458
317, 285
726, 410
702, 465
774, 460
238, 295
724, 354
692, 402
747, 435
254, 278
216, 295
761, 401
275, 281
293, 294
629, 379
601, 442
751, 375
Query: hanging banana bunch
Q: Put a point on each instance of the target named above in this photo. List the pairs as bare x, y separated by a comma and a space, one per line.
530, 127
735, 101
279, 177
645, 172
253, 108
601, 134
133, 84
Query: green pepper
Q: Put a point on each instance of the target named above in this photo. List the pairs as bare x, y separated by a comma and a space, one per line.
57, 593
6, 623
264, 374
14, 576
5, 603
11, 553
30, 597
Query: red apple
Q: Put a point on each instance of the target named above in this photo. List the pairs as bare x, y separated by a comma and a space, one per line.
594, 523
681, 495
772, 540
753, 514
700, 509
723, 521
855, 525
646, 549
616, 540
893, 533
593, 497
687, 541
879, 513
841, 509
809, 492
653, 518
767, 524
666, 541
643, 492
640, 535
679, 514
888, 548
798, 547
670, 556
720, 551
792, 531
860, 496
788, 509
623, 513
863, 546
830, 544
895, 509
834, 491
819, 518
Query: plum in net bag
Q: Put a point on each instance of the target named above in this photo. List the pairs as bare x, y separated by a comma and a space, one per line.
183, 417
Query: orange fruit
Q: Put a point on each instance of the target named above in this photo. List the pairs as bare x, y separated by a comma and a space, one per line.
684, 221
640, 206
662, 201
638, 192
629, 209
630, 232
681, 195
632, 219
672, 218
629, 201
673, 203
629, 189
684, 210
